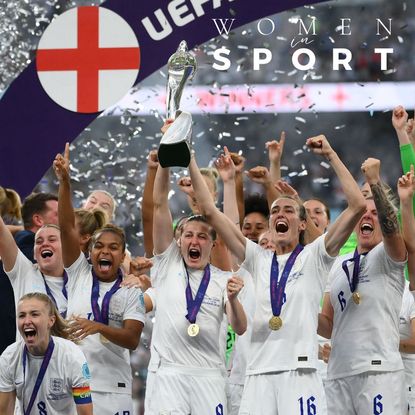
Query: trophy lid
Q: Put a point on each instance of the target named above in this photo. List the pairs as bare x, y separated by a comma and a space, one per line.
181, 60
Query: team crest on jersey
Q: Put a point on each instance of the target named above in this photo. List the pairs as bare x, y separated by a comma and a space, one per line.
55, 385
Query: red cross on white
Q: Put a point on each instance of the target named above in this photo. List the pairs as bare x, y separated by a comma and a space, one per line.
87, 59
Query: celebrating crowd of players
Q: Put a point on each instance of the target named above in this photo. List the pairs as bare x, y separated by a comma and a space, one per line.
273, 271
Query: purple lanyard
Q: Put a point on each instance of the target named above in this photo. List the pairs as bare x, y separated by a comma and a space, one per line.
101, 314
276, 287
40, 376
64, 292
355, 276
193, 306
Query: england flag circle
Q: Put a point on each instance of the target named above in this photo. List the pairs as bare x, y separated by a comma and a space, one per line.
87, 59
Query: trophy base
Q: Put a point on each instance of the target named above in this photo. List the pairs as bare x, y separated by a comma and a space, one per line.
174, 155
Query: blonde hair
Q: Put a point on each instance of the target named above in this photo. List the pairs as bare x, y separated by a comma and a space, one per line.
48, 225
60, 326
3, 195
212, 174
13, 204
109, 195
90, 220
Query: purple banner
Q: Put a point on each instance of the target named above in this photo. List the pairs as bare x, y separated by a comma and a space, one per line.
34, 128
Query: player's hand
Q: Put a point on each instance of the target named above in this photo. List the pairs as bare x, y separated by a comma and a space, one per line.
233, 287
141, 281
166, 125
285, 189
79, 328
239, 162
275, 148
371, 170
320, 145
399, 118
259, 174
140, 265
406, 185
225, 167
185, 185
61, 165
326, 352
152, 160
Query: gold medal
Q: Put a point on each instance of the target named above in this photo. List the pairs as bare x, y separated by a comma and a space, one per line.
103, 339
193, 330
275, 323
356, 297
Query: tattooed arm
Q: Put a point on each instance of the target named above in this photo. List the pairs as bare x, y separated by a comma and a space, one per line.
387, 215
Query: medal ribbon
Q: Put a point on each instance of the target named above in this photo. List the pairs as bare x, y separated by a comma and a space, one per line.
276, 287
40, 376
101, 314
64, 292
355, 276
193, 306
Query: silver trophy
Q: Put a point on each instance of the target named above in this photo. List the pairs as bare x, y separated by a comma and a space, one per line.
175, 145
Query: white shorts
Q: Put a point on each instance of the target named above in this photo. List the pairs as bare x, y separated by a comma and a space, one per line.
234, 398
106, 403
151, 378
368, 393
182, 390
293, 392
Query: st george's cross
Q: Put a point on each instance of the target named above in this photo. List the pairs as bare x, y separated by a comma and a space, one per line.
87, 59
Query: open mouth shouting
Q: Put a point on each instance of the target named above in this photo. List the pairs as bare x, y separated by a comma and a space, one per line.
104, 265
194, 254
46, 253
29, 333
281, 227
366, 229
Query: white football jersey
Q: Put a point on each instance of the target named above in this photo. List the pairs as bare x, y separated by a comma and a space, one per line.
109, 363
295, 344
172, 342
65, 383
365, 336
406, 315
25, 277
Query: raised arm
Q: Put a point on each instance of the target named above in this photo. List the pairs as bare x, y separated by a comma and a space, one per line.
69, 234
239, 162
388, 219
226, 168
275, 150
227, 172
162, 220
406, 189
8, 247
341, 229
399, 122
147, 204
226, 229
